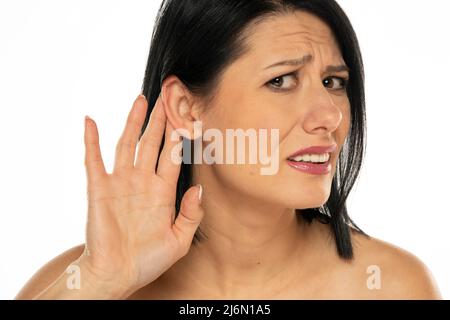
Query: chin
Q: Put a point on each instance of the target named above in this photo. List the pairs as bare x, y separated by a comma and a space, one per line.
300, 202
309, 205
313, 198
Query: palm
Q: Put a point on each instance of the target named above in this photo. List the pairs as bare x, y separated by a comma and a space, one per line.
131, 211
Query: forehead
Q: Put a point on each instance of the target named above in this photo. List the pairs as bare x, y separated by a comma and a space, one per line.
291, 35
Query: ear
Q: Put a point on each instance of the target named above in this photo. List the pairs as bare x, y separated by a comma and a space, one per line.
180, 105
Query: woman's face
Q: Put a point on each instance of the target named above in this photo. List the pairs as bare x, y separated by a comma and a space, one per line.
308, 106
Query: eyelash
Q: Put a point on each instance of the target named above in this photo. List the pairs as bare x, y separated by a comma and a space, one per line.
343, 80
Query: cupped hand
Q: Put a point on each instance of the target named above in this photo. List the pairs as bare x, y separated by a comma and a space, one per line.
132, 235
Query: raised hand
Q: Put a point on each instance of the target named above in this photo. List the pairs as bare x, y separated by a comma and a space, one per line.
131, 236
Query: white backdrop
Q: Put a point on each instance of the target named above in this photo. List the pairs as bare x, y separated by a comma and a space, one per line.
60, 60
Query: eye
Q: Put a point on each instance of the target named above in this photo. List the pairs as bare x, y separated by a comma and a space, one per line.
283, 83
343, 82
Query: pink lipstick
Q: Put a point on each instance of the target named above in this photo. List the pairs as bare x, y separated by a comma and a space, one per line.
314, 160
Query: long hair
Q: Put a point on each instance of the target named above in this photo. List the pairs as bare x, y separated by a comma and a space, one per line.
197, 39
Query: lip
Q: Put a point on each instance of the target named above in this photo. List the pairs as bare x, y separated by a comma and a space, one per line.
313, 168
315, 150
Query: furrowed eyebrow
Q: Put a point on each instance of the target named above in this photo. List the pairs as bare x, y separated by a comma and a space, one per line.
305, 59
340, 68
292, 62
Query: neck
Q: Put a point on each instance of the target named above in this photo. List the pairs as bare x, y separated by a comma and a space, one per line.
248, 244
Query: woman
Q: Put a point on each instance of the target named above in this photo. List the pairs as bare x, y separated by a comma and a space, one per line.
290, 65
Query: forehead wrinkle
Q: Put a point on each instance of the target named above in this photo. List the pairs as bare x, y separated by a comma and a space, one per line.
326, 39
321, 37
303, 22
274, 38
295, 50
296, 47
307, 27
291, 39
306, 42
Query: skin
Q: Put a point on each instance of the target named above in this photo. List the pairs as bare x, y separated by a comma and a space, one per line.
256, 248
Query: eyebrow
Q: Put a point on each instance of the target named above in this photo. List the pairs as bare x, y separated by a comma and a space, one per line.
305, 59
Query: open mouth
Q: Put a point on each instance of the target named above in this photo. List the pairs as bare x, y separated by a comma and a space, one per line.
312, 158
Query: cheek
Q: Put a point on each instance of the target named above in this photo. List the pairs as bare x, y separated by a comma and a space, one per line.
246, 114
266, 114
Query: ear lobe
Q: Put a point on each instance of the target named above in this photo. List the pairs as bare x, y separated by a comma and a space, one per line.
179, 105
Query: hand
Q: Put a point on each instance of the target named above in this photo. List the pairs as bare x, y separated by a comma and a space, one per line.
131, 236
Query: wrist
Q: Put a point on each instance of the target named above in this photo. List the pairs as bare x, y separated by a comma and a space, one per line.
102, 285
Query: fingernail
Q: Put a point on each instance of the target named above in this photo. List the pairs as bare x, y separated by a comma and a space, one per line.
200, 191
141, 96
86, 117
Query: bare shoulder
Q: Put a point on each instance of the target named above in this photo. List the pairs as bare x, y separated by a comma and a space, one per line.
392, 272
49, 273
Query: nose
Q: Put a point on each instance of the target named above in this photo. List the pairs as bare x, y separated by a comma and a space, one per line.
321, 114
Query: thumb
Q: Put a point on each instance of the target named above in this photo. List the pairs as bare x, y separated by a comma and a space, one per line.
189, 217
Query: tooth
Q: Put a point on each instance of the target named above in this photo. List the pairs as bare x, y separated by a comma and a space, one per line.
315, 158
312, 157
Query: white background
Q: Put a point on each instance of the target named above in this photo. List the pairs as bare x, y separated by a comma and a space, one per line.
62, 60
